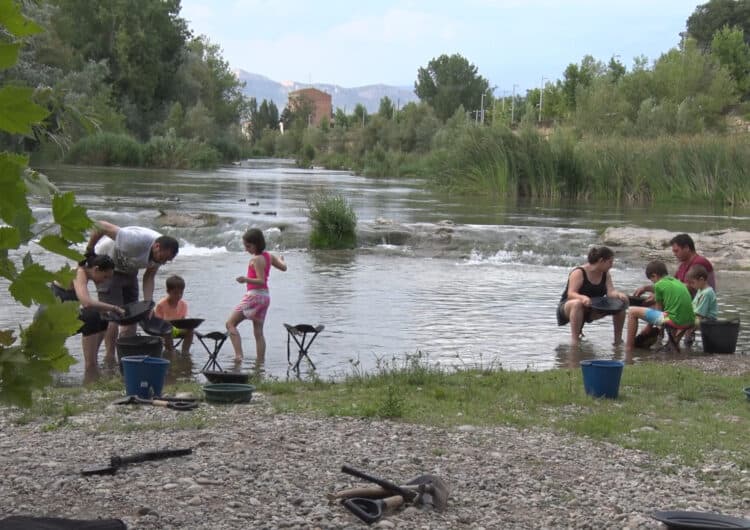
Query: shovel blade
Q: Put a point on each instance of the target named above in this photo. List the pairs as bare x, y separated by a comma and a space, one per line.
432, 491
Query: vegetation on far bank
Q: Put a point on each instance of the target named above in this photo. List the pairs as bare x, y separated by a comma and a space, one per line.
163, 97
674, 129
144, 92
662, 409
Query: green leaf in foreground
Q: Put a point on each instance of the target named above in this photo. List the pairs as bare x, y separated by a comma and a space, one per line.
14, 21
17, 111
9, 237
45, 337
8, 55
14, 208
71, 217
32, 285
60, 246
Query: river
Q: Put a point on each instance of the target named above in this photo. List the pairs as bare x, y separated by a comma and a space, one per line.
458, 281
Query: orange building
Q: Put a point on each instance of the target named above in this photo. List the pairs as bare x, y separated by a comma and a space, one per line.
319, 100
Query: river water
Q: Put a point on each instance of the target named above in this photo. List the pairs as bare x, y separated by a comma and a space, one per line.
458, 281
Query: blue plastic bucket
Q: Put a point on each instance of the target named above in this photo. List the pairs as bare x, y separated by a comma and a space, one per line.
602, 378
144, 375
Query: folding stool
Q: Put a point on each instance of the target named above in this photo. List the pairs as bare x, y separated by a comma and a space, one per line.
675, 333
219, 338
300, 335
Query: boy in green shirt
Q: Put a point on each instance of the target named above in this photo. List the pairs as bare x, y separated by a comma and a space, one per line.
673, 303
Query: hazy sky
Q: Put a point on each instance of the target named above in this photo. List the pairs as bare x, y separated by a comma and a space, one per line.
353, 43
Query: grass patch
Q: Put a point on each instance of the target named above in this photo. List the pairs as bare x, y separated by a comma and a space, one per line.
680, 412
662, 409
56, 404
334, 223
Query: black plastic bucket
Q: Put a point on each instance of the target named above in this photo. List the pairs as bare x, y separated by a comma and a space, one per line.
138, 345
720, 336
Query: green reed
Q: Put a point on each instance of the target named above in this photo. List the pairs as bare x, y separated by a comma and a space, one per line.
333, 222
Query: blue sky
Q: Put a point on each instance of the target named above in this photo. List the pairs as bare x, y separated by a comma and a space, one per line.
352, 43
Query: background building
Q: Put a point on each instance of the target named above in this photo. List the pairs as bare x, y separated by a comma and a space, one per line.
319, 101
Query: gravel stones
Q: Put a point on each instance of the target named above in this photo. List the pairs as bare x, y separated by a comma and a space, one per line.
253, 468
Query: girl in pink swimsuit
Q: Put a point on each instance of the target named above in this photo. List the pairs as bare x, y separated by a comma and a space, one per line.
254, 304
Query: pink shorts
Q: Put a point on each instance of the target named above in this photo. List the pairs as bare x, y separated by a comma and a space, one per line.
254, 304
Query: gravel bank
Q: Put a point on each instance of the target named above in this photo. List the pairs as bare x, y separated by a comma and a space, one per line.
252, 468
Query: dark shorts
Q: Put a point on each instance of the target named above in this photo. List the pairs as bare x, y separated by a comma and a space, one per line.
122, 289
93, 322
563, 320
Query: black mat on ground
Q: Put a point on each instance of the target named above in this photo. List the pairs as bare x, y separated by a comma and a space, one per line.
23, 522
678, 519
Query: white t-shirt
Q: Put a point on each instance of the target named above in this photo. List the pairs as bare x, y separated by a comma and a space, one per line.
131, 249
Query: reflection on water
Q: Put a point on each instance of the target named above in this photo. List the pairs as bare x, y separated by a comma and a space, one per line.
479, 290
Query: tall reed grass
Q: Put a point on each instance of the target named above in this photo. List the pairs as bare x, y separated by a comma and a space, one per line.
108, 149
497, 162
334, 223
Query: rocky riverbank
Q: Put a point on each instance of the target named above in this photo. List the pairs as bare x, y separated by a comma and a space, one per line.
254, 468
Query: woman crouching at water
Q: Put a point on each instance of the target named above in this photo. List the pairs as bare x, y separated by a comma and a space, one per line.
96, 269
584, 283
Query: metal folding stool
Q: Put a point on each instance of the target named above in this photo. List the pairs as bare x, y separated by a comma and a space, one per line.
219, 338
300, 335
675, 333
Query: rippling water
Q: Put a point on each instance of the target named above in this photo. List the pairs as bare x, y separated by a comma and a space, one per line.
467, 283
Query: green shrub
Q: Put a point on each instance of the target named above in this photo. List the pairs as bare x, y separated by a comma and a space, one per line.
334, 222
178, 153
203, 156
306, 156
165, 152
106, 149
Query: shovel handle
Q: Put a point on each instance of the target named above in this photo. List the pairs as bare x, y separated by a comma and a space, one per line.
408, 495
117, 461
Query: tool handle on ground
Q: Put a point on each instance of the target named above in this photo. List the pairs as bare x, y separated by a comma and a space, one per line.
408, 495
117, 461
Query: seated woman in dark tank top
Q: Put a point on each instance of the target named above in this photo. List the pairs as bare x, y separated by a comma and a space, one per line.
584, 283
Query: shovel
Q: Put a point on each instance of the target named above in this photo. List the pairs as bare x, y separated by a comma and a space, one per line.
116, 462
174, 404
408, 494
428, 491
372, 510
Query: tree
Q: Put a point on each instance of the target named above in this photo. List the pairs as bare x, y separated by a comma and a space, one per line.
576, 76
689, 73
359, 116
211, 82
615, 70
340, 119
730, 48
710, 17
449, 82
28, 361
142, 43
268, 115
386, 109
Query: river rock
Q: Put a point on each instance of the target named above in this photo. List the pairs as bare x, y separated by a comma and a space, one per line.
727, 249
186, 220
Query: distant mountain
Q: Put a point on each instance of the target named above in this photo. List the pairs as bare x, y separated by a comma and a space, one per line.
261, 87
